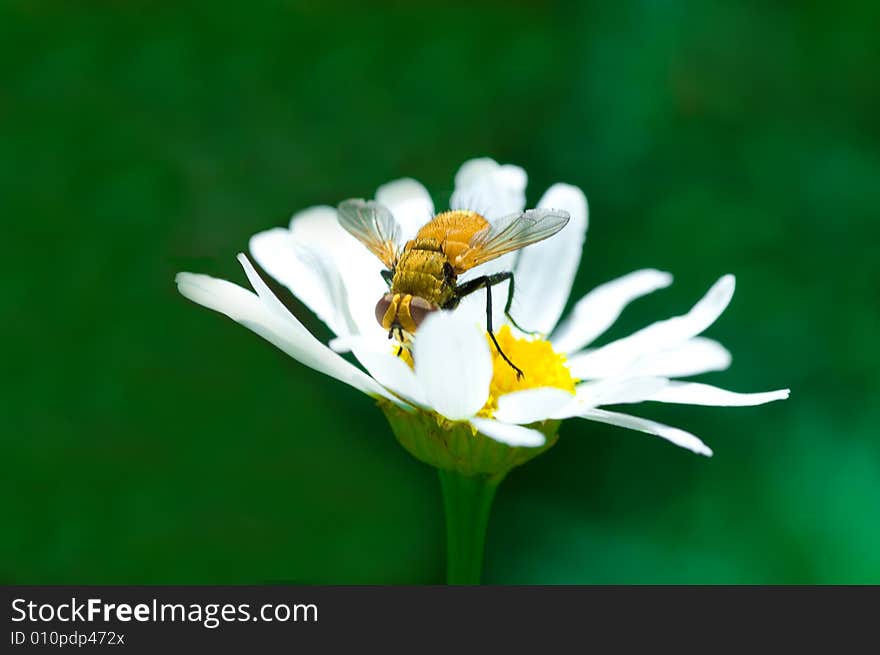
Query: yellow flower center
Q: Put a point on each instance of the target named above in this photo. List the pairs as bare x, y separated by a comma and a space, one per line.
542, 367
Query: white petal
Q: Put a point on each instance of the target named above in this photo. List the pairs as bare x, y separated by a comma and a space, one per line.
619, 355
694, 356
512, 435
317, 230
488, 188
453, 365
694, 393
531, 405
597, 311
263, 291
225, 297
611, 391
545, 271
277, 253
389, 371
409, 202
674, 435
263, 316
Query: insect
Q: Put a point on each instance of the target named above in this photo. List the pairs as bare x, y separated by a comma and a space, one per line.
422, 274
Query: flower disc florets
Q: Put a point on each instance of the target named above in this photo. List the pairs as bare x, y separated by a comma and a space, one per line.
543, 367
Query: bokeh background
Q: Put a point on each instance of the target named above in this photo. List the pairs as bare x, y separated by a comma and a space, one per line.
146, 440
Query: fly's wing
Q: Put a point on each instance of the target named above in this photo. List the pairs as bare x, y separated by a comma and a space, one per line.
373, 225
508, 234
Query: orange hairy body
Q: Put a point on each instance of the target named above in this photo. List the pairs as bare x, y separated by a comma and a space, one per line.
426, 267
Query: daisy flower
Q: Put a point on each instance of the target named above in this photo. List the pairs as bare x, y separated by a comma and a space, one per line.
457, 374
452, 400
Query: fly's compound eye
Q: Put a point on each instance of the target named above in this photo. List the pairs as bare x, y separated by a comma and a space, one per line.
382, 308
419, 308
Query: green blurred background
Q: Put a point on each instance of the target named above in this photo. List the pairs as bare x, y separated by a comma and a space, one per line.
147, 440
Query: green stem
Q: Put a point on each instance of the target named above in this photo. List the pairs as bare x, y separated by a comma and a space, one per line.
467, 501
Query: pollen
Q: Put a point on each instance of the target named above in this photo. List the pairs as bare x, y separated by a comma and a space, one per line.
542, 367
404, 354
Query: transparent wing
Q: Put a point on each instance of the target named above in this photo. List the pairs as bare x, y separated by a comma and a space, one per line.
510, 233
373, 225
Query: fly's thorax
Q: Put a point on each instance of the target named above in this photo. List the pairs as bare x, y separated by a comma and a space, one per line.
454, 230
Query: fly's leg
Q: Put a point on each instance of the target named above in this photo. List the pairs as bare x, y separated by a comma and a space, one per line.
488, 281
508, 275
519, 373
498, 278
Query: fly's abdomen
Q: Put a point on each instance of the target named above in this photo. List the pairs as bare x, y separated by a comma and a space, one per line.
424, 272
